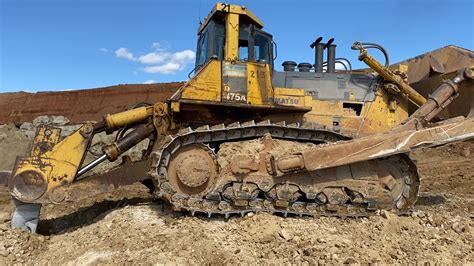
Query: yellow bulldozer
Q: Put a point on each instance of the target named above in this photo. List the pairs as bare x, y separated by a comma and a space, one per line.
350, 130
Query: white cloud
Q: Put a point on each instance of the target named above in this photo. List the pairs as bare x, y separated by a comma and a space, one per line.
160, 46
105, 50
124, 53
168, 68
183, 57
151, 81
162, 60
153, 58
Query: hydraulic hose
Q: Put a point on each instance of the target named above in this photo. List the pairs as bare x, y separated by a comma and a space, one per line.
343, 61
368, 45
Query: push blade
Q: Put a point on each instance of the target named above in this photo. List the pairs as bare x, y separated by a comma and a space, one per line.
26, 216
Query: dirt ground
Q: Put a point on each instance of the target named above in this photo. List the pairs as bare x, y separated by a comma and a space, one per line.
128, 226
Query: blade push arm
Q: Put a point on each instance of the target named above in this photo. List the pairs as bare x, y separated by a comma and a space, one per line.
372, 147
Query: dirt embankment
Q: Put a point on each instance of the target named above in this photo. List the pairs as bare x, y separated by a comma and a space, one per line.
128, 226
80, 105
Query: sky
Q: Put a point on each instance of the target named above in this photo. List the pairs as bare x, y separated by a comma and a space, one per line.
48, 45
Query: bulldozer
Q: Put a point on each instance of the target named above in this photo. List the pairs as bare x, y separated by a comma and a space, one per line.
350, 130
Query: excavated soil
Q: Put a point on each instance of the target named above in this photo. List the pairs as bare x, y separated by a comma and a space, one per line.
127, 226
81, 105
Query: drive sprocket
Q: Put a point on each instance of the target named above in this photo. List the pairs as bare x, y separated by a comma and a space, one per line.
193, 170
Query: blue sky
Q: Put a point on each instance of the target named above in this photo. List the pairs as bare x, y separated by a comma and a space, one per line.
65, 44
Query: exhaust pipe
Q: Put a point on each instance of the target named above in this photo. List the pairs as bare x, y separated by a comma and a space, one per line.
318, 47
331, 67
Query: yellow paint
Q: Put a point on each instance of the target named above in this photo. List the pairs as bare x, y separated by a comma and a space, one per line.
232, 37
388, 75
229, 8
400, 67
128, 117
290, 97
259, 84
351, 96
206, 84
240, 10
175, 107
377, 116
46, 135
59, 165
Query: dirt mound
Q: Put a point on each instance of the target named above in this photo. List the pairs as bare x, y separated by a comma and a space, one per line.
13, 139
80, 105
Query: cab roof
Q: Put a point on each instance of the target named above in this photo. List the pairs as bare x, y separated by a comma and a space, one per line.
220, 9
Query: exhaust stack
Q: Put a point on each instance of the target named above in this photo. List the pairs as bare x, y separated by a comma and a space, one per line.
331, 66
318, 47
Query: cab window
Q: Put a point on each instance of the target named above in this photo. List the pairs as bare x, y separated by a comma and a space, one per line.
243, 50
245, 43
255, 45
210, 43
262, 48
202, 49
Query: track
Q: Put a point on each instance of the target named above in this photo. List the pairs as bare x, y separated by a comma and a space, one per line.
220, 196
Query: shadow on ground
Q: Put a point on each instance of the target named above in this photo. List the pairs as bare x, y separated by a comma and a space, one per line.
430, 200
86, 215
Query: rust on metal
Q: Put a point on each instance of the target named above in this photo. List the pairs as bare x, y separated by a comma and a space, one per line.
425, 75
193, 170
383, 145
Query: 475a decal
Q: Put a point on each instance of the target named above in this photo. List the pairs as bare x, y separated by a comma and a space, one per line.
233, 96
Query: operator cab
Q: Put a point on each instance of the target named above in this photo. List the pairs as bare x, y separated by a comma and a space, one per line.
233, 74
248, 44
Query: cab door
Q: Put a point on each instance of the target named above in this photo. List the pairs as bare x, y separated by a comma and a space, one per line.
248, 80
